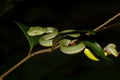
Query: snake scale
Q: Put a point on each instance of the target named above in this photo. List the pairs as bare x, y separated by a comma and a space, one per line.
49, 33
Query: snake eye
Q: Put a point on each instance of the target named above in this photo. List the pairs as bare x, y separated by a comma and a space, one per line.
90, 55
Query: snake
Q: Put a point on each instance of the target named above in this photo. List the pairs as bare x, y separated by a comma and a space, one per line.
49, 33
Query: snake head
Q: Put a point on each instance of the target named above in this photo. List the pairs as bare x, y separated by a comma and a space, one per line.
111, 50
35, 31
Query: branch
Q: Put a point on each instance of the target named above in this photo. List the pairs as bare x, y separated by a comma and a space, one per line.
108, 21
23, 60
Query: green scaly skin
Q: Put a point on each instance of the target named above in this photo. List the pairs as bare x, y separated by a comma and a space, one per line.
111, 50
65, 48
48, 33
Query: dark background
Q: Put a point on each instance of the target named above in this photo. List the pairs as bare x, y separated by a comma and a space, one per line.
73, 14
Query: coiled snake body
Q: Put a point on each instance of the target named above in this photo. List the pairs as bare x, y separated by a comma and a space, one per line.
48, 33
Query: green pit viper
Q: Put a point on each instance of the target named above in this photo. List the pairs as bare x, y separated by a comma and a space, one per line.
48, 33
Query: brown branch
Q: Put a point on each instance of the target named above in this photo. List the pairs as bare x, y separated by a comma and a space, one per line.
14, 67
23, 60
110, 26
108, 21
99, 28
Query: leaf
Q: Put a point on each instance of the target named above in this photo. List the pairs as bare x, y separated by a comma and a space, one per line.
96, 48
32, 40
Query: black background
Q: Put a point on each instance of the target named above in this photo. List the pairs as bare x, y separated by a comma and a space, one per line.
62, 14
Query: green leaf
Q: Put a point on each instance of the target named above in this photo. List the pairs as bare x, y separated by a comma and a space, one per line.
96, 48
32, 40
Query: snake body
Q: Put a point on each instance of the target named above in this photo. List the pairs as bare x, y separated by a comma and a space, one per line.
48, 33
47, 40
65, 48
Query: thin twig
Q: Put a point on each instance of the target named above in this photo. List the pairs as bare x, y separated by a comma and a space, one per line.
108, 21
107, 27
22, 61
14, 67
102, 26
